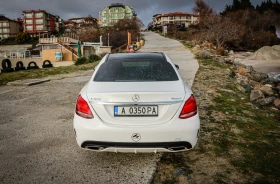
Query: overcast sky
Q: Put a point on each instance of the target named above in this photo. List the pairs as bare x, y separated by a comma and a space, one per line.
66, 9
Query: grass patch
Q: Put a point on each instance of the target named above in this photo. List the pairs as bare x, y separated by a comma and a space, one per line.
238, 142
44, 72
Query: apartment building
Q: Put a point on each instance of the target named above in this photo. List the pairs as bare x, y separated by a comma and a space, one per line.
40, 21
8, 27
177, 18
79, 23
115, 12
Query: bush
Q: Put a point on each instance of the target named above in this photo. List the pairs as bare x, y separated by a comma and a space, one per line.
220, 51
81, 60
92, 58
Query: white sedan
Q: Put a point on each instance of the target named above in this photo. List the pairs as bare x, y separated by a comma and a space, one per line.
136, 102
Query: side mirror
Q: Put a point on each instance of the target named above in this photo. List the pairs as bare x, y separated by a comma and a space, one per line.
177, 66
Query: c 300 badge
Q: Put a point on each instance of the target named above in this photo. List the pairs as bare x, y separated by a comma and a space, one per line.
136, 137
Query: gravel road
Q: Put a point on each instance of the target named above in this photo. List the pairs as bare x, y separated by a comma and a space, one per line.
37, 142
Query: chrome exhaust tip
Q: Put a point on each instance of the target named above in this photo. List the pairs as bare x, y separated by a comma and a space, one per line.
95, 148
180, 148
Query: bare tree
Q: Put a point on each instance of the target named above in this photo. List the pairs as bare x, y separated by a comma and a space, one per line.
89, 34
221, 29
202, 8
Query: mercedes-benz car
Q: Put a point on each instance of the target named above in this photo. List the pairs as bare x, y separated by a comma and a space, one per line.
136, 102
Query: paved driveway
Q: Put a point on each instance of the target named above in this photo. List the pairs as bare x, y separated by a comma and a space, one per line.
37, 142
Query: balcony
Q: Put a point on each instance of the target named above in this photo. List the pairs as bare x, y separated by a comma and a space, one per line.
64, 40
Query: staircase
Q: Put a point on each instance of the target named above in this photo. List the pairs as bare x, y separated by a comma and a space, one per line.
68, 48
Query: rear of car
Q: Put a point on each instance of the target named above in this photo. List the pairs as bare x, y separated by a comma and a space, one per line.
136, 102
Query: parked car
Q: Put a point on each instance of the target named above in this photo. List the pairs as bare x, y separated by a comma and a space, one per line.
136, 102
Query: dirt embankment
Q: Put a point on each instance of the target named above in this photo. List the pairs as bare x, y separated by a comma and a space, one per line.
267, 53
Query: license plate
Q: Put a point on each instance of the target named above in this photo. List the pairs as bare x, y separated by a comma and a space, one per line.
151, 110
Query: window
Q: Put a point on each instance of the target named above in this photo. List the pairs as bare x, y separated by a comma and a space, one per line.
5, 24
135, 70
38, 15
0, 24
28, 21
28, 15
28, 27
0, 30
39, 27
39, 21
6, 30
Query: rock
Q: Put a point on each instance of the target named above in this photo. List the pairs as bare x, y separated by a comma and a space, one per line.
231, 73
229, 60
196, 49
277, 103
237, 62
204, 54
267, 90
220, 59
180, 171
271, 81
247, 88
275, 76
250, 69
253, 83
276, 90
256, 95
257, 76
265, 101
230, 92
231, 52
268, 85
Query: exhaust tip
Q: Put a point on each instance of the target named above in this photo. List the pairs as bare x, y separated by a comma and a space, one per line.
95, 148
181, 148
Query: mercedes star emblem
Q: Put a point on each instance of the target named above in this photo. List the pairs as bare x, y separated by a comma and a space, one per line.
135, 98
136, 137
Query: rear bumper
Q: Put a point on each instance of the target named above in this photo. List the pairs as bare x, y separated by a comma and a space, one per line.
176, 135
136, 147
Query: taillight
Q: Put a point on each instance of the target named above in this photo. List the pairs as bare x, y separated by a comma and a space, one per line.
82, 108
189, 109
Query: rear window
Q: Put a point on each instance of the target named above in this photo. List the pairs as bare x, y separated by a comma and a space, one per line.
130, 70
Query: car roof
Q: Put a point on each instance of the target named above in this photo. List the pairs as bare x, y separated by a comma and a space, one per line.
137, 55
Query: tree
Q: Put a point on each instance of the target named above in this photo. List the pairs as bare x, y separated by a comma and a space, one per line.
246, 4
202, 8
236, 5
221, 29
150, 26
89, 34
118, 33
22, 37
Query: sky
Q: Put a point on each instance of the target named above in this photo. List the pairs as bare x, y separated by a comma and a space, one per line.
145, 9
